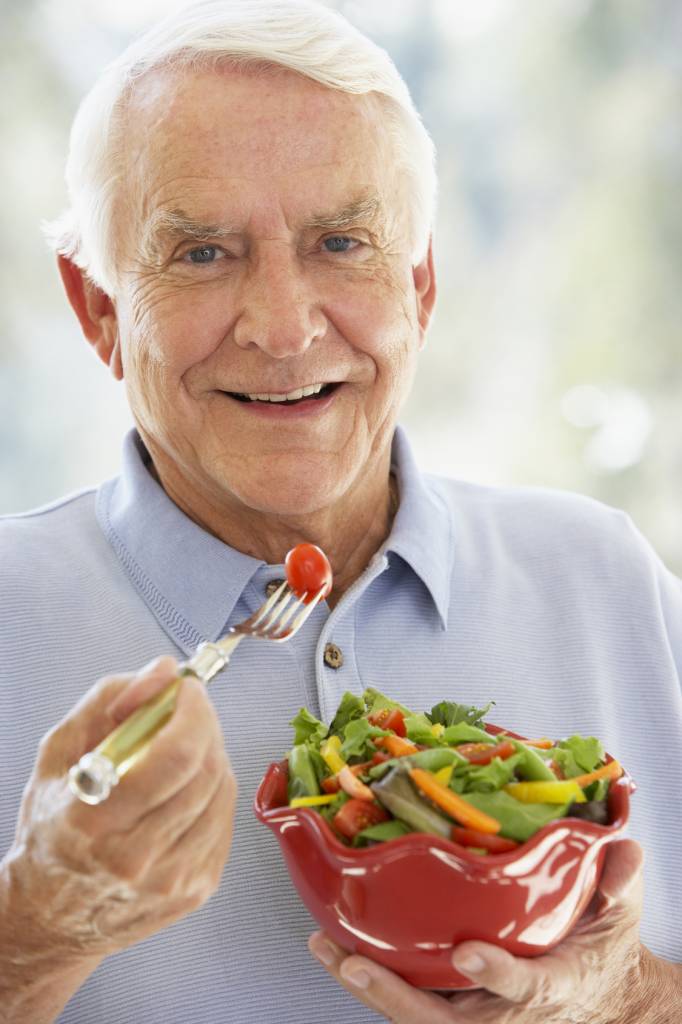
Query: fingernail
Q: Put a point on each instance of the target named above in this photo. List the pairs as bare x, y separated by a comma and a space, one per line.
324, 952
469, 963
358, 978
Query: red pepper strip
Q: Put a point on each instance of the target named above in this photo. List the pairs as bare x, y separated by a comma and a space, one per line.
483, 753
483, 840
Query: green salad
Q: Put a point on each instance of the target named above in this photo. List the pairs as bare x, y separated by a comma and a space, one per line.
380, 771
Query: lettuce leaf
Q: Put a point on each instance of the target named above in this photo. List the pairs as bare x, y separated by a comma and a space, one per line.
418, 729
462, 732
578, 754
357, 739
376, 701
519, 821
431, 760
351, 707
484, 778
449, 713
381, 832
308, 729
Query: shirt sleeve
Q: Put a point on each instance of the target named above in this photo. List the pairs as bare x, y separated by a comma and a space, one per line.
669, 593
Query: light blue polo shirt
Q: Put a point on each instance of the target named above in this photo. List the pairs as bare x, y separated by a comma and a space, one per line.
547, 602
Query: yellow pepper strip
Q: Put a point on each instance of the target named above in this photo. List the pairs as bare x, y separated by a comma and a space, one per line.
543, 744
458, 808
312, 801
438, 729
330, 753
612, 770
546, 792
444, 774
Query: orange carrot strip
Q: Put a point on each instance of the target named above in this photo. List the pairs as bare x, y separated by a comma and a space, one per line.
397, 746
612, 770
453, 804
543, 744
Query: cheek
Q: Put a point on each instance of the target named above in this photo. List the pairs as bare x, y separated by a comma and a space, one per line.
381, 321
167, 334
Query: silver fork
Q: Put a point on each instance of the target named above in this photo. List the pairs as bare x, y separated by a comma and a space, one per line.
98, 771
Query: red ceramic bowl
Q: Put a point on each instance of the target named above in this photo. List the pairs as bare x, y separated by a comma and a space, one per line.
408, 902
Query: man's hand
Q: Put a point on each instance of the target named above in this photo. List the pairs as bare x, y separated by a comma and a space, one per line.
85, 881
599, 974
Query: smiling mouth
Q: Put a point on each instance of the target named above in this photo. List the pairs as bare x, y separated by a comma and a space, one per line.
327, 389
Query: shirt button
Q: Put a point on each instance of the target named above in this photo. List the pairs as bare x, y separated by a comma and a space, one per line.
333, 656
272, 586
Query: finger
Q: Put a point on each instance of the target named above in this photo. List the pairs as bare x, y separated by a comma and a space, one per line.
145, 684
622, 880
161, 827
171, 760
381, 989
81, 729
194, 863
536, 981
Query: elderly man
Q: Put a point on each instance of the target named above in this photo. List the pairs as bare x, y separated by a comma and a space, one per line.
248, 250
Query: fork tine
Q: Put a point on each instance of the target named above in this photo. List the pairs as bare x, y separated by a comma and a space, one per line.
271, 621
260, 613
299, 620
287, 614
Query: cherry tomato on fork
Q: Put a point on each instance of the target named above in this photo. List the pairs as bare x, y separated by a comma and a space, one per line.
308, 570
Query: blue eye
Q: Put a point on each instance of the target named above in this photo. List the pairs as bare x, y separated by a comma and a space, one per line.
339, 243
206, 254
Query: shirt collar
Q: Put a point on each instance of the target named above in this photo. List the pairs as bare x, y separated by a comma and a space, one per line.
192, 581
423, 529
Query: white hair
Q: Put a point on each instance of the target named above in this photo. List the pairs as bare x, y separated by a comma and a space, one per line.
299, 35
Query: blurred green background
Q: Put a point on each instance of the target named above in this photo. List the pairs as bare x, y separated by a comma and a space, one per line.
554, 358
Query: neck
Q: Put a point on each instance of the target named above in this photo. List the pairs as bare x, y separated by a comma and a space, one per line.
349, 530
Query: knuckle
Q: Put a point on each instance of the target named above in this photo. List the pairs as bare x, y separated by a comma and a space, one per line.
181, 758
123, 862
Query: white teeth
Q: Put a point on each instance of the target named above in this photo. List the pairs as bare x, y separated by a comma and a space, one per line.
309, 389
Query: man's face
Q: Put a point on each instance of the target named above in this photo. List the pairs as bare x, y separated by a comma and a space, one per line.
264, 249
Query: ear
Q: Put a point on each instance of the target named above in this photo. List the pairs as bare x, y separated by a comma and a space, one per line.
425, 289
96, 313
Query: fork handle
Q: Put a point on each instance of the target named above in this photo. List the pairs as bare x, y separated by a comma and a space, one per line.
98, 771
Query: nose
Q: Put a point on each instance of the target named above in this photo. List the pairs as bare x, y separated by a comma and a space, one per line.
277, 307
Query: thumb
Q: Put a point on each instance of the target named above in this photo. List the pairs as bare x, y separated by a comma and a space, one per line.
91, 719
149, 681
622, 880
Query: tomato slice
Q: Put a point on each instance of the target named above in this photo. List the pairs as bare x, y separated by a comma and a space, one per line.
356, 815
483, 840
483, 753
308, 571
389, 718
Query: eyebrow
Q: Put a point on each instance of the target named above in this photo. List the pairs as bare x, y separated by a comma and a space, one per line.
166, 225
364, 208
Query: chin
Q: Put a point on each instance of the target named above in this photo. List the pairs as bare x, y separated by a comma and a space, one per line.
288, 496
